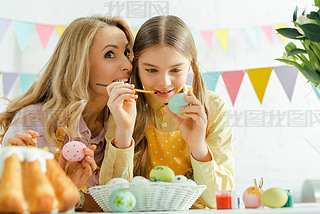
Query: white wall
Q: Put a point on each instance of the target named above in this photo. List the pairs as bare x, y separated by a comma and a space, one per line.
283, 156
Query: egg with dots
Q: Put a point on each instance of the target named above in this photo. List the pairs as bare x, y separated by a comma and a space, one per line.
161, 173
73, 151
180, 179
122, 200
176, 102
251, 196
115, 181
274, 198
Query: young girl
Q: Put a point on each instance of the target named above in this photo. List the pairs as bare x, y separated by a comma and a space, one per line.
66, 104
195, 143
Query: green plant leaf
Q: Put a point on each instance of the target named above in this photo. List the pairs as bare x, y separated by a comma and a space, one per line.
315, 49
295, 23
289, 62
314, 16
303, 59
291, 33
312, 31
295, 13
290, 46
317, 3
314, 61
296, 51
304, 12
314, 76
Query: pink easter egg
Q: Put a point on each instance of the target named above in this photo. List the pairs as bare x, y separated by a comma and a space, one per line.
114, 181
251, 197
73, 151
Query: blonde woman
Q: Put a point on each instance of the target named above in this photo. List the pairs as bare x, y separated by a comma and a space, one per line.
65, 103
195, 143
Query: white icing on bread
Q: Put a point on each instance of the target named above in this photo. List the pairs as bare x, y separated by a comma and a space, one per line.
24, 153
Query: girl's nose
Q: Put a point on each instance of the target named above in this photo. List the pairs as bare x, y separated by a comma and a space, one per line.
164, 80
126, 64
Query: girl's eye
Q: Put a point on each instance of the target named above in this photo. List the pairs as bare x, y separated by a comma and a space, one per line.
109, 54
176, 70
151, 70
127, 53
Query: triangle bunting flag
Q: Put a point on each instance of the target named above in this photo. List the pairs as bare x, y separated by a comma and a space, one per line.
233, 80
44, 32
211, 80
268, 31
4, 25
277, 26
189, 78
259, 78
60, 29
208, 37
22, 30
8, 79
26, 81
223, 38
287, 76
254, 34
315, 90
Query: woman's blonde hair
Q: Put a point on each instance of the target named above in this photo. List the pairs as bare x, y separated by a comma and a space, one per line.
174, 33
63, 86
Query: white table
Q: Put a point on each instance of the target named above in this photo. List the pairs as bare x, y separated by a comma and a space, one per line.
299, 208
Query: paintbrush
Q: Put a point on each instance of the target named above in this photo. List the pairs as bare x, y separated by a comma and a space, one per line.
36, 136
137, 90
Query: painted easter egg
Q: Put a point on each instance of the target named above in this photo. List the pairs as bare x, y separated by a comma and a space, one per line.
192, 183
176, 102
73, 151
114, 181
251, 197
139, 179
274, 198
161, 173
122, 200
180, 179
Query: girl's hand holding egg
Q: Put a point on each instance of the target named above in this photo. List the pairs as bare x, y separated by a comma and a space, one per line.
82, 163
192, 124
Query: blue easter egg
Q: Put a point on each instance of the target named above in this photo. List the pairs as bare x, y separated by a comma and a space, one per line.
176, 102
122, 200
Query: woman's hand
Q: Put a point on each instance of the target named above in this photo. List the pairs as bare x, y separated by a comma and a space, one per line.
193, 126
80, 172
122, 105
26, 138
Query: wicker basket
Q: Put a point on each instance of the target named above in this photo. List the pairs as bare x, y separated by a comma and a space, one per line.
153, 196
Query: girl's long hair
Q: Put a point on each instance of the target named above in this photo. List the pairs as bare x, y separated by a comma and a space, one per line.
63, 86
174, 33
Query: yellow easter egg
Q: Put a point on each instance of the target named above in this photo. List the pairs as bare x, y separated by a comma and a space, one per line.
274, 198
161, 173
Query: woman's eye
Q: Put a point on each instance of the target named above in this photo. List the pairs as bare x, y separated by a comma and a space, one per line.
176, 70
151, 70
127, 53
109, 54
